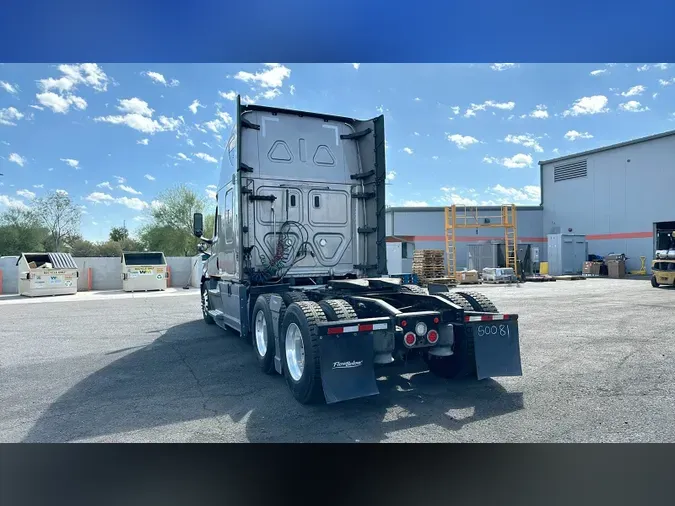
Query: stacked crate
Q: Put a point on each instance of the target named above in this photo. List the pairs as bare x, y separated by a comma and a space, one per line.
428, 264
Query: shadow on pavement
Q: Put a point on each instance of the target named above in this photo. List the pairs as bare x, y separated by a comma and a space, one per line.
197, 372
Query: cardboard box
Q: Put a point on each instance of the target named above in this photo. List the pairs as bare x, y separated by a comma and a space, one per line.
592, 268
468, 276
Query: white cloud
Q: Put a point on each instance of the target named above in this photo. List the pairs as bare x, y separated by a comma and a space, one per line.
291, 89
595, 104
502, 66
61, 104
73, 163
230, 95
135, 106
271, 77
645, 67
634, 91
539, 112
143, 141
598, 72
138, 115
518, 161
527, 140
434, 157
184, 157
654, 95
408, 150
160, 79
149, 177
26, 194
129, 189
120, 179
573, 135
270, 94
100, 198
87, 74
391, 175
505, 106
132, 203
104, 198
9, 115
38, 107
206, 157
462, 141
668, 82
190, 142
9, 88
195, 105
210, 193
224, 117
8, 201
356, 65
455, 109
38, 186
17, 159
105, 184
633, 106
507, 195
416, 134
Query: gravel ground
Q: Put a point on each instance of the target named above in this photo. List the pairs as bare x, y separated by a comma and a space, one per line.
598, 365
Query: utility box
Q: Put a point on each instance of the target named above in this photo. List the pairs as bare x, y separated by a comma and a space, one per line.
566, 254
43, 274
143, 271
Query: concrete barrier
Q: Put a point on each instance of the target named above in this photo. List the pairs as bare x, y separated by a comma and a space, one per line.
105, 273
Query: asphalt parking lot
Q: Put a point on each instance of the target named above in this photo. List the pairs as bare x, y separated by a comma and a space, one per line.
598, 366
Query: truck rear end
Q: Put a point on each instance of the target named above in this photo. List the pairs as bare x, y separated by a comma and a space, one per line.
297, 264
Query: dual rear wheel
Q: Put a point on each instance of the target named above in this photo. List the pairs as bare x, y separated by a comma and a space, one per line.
298, 339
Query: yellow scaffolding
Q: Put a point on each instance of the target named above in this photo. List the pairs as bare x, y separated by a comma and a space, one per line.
462, 217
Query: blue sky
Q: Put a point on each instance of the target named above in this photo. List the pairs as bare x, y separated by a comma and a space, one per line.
114, 135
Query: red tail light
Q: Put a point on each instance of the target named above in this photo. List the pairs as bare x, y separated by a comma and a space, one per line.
403, 323
436, 320
432, 336
409, 339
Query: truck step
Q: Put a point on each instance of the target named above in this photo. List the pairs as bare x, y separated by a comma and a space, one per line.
216, 314
215, 292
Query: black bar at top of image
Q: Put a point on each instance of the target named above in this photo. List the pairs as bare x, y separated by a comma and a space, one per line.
233, 475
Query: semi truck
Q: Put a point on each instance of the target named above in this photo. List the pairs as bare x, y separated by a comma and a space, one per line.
297, 264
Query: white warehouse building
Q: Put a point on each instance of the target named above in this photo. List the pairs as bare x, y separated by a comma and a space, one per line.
614, 196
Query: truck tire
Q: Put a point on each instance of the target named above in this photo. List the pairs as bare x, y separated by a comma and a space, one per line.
655, 283
414, 289
337, 309
206, 305
479, 302
300, 351
262, 331
456, 299
461, 364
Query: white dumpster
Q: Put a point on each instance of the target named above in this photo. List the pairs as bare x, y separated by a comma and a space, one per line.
42, 274
143, 271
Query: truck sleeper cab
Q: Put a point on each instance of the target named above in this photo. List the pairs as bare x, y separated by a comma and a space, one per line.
297, 263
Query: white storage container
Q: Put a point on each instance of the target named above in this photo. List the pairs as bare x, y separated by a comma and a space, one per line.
43, 274
143, 271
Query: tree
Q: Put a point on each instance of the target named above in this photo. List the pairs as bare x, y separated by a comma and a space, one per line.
59, 215
21, 232
170, 227
80, 247
118, 234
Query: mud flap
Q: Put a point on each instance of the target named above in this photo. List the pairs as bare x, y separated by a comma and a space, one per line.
497, 349
347, 368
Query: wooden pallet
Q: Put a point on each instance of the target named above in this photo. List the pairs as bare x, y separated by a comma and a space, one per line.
569, 278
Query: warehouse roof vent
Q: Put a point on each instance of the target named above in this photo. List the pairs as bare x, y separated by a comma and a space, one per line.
571, 170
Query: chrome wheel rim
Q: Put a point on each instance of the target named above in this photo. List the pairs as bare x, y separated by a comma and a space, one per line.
295, 352
261, 333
